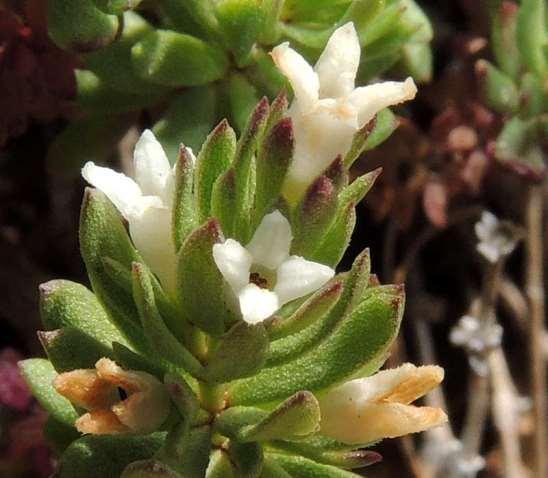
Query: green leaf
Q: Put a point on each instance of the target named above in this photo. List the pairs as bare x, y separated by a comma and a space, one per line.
376, 321
413, 17
342, 458
199, 282
241, 352
117, 7
371, 135
531, 35
385, 124
315, 307
112, 64
300, 467
499, 90
519, 147
220, 466
168, 311
231, 420
59, 435
148, 469
197, 12
130, 360
184, 217
223, 202
102, 234
156, 332
534, 96
302, 34
247, 459
89, 139
39, 375
245, 150
242, 98
213, 160
105, 456
417, 61
189, 119
272, 162
187, 451
272, 470
299, 415
353, 284
503, 39
95, 96
356, 191
241, 22
68, 304
382, 24
175, 59
272, 11
264, 74
335, 242
316, 211
182, 396
372, 66
79, 25
362, 13
70, 348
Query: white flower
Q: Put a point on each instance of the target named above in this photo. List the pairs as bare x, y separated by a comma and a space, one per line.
369, 409
145, 203
328, 110
496, 238
262, 275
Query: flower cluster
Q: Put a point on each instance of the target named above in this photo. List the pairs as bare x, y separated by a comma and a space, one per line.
217, 316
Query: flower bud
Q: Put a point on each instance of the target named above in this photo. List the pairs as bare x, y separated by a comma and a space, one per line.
369, 409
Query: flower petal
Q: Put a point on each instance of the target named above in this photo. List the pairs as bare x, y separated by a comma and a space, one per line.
298, 277
486, 228
152, 168
369, 100
303, 79
339, 62
257, 304
151, 234
234, 262
375, 421
123, 191
271, 242
388, 384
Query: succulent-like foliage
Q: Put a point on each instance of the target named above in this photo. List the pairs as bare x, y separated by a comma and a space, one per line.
210, 57
517, 87
217, 340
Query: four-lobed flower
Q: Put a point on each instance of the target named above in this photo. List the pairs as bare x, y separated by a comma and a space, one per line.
497, 239
263, 275
328, 110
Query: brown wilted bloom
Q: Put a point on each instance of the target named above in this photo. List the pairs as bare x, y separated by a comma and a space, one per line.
36, 78
368, 409
99, 391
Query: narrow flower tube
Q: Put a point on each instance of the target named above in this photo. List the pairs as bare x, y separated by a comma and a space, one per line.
369, 409
141, 407
328, 110
145, 202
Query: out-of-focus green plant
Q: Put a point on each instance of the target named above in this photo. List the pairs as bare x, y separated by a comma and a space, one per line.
218, 341
517, 86
207, 59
